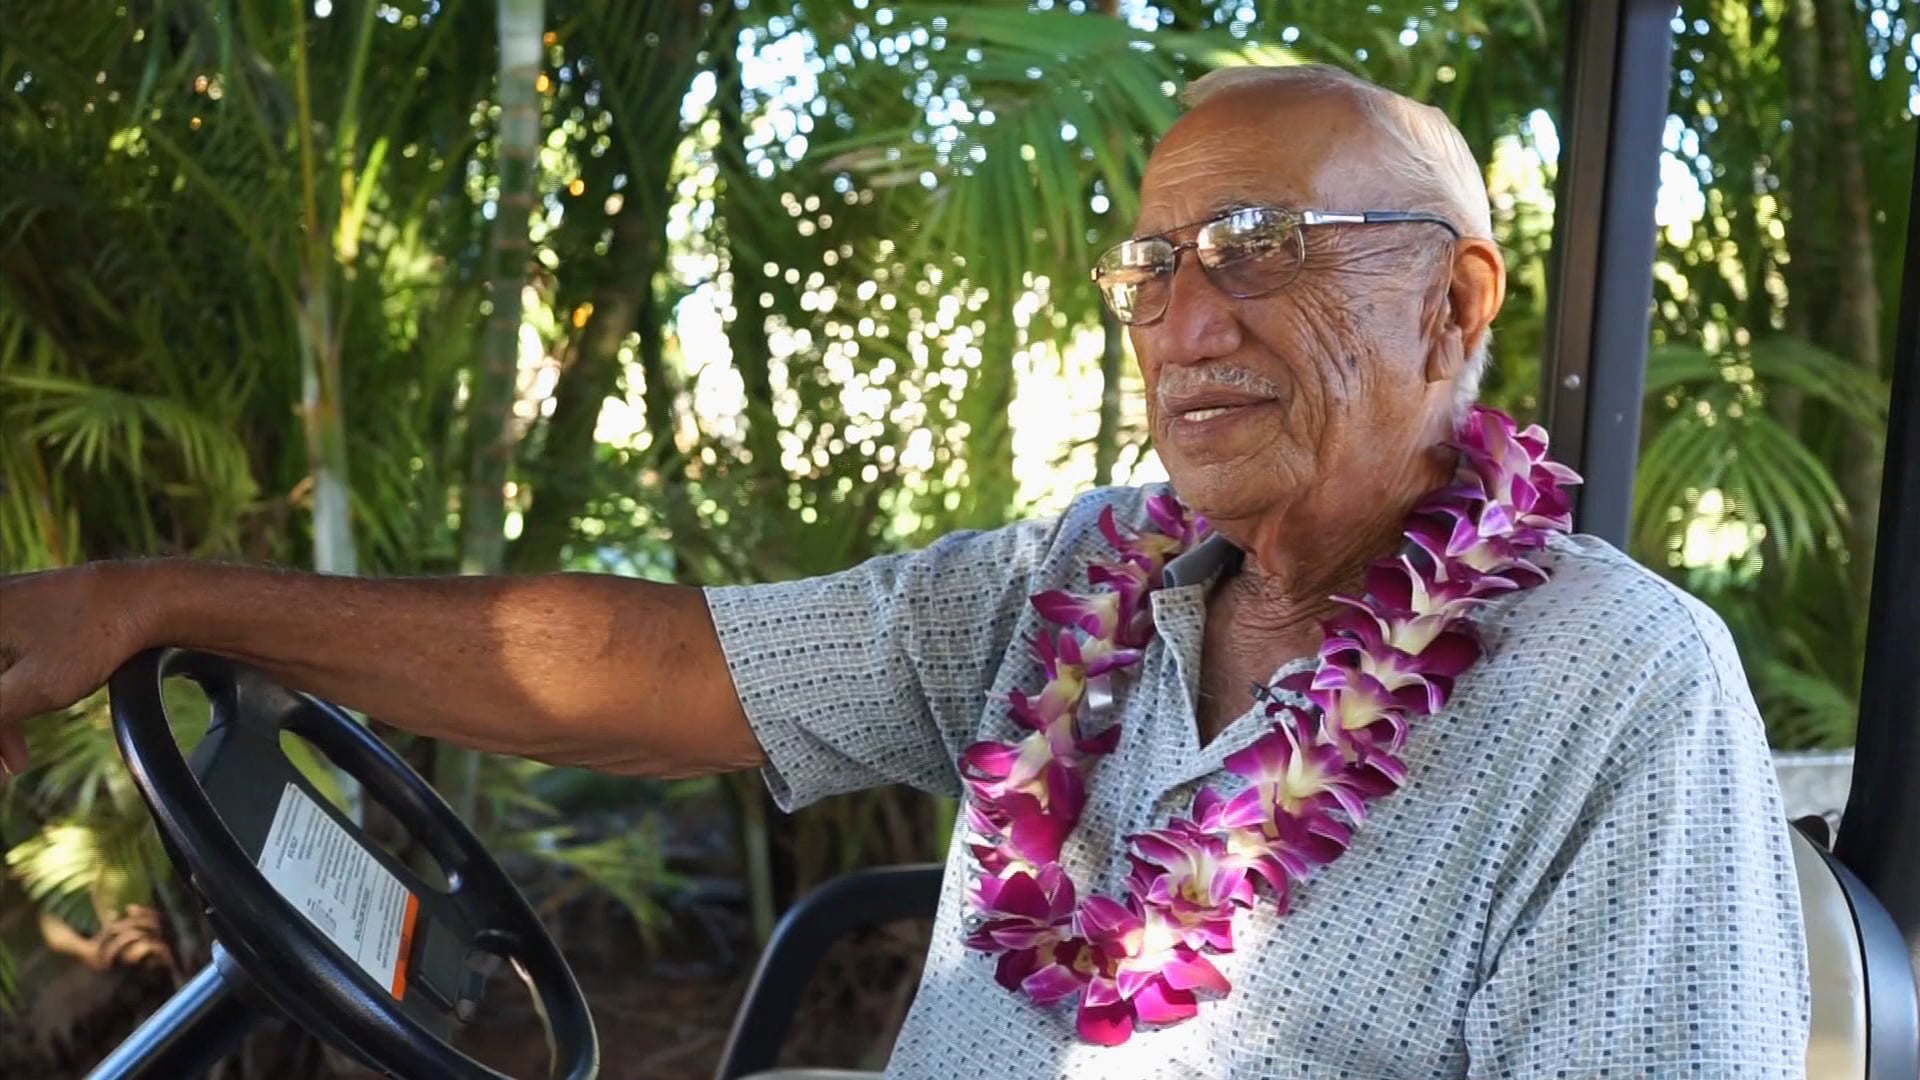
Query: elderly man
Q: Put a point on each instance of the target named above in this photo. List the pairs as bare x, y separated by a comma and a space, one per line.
1347, 761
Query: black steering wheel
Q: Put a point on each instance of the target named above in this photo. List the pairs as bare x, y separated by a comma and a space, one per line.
314, 920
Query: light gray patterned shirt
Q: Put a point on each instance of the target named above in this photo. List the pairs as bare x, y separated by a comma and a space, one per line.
1587, 873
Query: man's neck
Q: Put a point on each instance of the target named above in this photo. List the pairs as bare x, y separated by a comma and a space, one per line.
1279, 603
1292, 569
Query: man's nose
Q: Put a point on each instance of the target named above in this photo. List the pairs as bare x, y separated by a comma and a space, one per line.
1201, 323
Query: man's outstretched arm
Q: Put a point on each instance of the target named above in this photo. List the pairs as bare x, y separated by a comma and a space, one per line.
609, 673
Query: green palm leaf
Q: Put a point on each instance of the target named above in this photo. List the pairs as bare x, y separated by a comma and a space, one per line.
1711, 430
1804, 710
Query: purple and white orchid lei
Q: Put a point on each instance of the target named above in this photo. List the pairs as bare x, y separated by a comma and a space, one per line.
1389, 657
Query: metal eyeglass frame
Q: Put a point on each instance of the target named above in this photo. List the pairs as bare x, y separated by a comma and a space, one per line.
1302, 220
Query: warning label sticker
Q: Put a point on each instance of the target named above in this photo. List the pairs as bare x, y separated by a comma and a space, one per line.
316, 864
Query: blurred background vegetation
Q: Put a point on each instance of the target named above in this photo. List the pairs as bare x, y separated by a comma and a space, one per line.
738, 291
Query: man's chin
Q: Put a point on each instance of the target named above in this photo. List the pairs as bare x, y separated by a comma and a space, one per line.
1221, 490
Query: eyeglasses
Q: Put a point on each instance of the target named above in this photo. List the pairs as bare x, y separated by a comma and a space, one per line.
1246, 253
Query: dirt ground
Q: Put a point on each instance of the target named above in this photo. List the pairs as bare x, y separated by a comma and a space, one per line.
658, 1027
658, 1023
654, 1028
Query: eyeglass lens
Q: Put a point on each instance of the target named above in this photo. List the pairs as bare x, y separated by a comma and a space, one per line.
1246, 253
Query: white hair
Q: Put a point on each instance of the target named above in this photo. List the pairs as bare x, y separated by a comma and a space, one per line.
1434, 161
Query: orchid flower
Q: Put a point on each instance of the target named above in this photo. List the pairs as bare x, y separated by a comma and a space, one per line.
1141, 971
1025, 827
1177, 530
1396, 585
1355, 645
1027, 919
1449, 532
1098, 614
1286, 848
1521, 486
1183, 872
1175, 521
1295, 772
1022, 910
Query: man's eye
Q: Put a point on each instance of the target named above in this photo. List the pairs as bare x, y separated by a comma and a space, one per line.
1138, 274
1243, 249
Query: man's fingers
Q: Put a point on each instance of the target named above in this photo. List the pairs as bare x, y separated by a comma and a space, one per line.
13, 740
13, 751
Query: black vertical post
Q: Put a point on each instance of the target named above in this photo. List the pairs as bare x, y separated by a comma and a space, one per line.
1600, 301
1880, 832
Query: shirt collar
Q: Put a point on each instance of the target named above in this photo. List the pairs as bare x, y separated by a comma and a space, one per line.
1203, 562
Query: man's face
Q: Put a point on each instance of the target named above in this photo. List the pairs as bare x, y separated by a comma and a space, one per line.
1323, 386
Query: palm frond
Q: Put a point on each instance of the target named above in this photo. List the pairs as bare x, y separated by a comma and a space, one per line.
1712, 431
9, 981
1804, 710
630, 867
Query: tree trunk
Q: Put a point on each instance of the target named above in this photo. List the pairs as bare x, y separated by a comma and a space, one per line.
747, 253
456, 770
490, 414
321, 410
562, 475
623, 300
1809, 251
1856, 316
660, 396
1113, 352
1106, 441
990, 488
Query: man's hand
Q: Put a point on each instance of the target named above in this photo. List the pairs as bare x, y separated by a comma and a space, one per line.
62, 634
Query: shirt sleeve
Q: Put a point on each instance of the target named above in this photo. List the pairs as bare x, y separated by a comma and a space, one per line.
878, 674
1666, 937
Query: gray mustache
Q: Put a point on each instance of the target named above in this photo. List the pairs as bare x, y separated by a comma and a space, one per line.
1183, 381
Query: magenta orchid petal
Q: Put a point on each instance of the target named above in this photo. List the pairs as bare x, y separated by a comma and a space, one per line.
1160, 1004
989, 760
1246, 810
1217, 934
1192, 971
1172, 519
1014, 968
1450, 654
1098, 614
1052, 983
1496, 520
1100, 742
1390, 774
1390, 582
1104, 1025
1129, 981
1099, 658
1110, 528
1101, 919
1206, 803
1102, 991
1037, 839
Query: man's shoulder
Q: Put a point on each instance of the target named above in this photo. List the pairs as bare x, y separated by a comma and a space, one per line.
1606, 615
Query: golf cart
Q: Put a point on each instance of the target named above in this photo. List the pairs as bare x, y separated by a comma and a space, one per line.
318, 924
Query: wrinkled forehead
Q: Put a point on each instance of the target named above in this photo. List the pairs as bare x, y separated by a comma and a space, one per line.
1284, 146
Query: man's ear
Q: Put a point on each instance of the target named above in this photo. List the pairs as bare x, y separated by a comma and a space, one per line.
1474, 294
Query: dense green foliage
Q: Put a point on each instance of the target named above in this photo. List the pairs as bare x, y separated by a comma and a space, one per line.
797, 279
